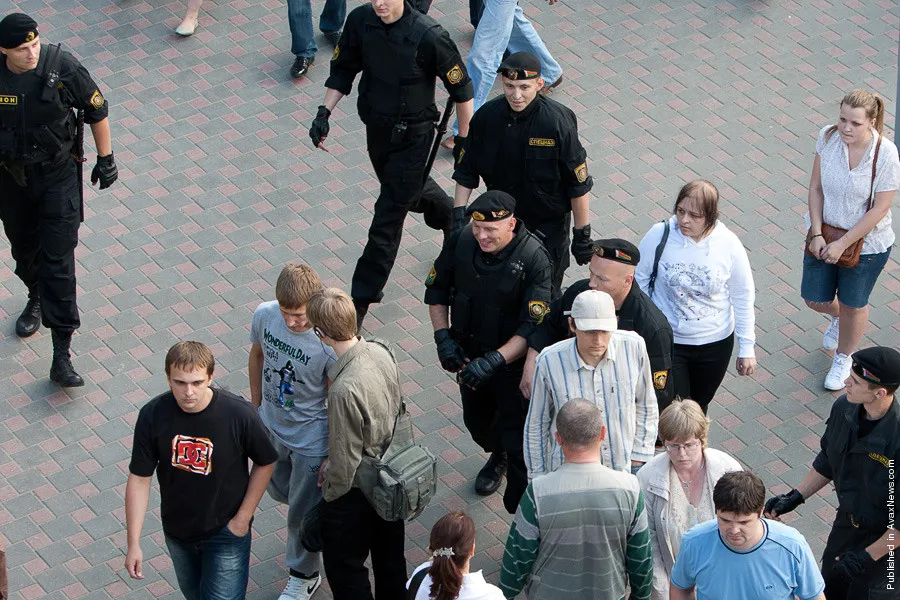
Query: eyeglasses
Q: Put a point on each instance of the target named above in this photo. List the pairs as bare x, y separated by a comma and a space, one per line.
689, 446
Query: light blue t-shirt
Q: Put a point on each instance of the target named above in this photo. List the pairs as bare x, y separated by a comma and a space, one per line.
295, 382
780, 566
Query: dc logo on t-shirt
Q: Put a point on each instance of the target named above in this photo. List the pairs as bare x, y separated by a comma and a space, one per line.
193, 454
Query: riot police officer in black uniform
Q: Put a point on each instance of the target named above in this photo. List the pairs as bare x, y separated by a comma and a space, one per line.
400, 53
861, 456
40, 176
525, 132
612, 271
493, 278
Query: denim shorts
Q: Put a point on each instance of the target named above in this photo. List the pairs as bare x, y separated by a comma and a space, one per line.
853, 286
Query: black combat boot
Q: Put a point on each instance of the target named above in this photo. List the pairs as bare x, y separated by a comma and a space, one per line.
491, 474
61, 371
30, 319
361, 309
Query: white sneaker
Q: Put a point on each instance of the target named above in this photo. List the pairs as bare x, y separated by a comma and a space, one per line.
839, 372
830, 339
300, 589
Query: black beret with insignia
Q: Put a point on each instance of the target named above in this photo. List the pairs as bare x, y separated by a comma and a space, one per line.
879, 365
493, 205
618, 250
521, 65
17, 29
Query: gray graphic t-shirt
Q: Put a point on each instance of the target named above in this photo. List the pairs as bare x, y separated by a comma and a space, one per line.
295, 381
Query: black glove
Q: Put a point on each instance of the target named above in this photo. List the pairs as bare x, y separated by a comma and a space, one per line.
477, 372
311, 528
105, 171
319, 130
449, 353
581, 245
460, 219
853, 563
459, 142
784, 503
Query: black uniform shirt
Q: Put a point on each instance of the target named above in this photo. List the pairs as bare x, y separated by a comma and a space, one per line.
638, 314
76, 87
440, 282
436, 54
534, 155
860, 468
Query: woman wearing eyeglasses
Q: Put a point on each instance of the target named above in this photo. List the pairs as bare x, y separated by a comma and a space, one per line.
678, 485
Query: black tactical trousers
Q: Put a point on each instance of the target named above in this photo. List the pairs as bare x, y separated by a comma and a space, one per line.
872, 586
495, 416
41, 223
399, 168
556, 239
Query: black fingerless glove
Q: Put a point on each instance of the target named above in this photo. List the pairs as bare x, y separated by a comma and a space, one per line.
105, 171
320, 128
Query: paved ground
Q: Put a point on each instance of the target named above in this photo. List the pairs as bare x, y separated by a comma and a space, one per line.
219, 186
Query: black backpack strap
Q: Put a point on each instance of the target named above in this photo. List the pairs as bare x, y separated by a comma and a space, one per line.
51, 72
659, 250
415, 583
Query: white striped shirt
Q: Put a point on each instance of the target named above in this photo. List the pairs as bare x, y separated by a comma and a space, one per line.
620, 386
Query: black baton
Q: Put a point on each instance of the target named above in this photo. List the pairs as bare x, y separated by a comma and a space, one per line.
441, 130
78, 154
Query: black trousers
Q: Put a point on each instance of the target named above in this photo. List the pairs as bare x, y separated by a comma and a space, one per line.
476, 9
351, 531
495, 416
556, 238
698, 371
873, 586
399, 168
41, 223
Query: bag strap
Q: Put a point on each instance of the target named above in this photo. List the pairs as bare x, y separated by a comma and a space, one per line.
415, 583
872, 185
401, 420
651, 285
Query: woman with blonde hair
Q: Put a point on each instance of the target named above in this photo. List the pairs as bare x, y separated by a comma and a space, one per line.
678, 485
447, 576
854, 178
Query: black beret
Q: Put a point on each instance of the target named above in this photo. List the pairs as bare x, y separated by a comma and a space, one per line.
493, 205
521, 65
618, 250
17, 29
879, 365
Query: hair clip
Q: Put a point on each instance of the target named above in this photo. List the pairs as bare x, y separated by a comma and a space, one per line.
446, 552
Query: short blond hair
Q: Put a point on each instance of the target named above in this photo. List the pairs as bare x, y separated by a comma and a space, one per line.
332, 311
683, 420
296, 284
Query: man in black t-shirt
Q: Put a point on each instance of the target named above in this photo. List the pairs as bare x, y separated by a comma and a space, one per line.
198, 440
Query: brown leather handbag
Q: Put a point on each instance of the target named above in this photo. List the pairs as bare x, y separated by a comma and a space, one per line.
850, 257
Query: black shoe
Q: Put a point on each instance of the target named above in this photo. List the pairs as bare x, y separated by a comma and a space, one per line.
62, 372
333, 37
302, 65
491, 474
361, 309
30, 319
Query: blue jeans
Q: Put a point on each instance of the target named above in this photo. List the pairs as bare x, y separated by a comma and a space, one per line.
216, 568
502, 26
300, 21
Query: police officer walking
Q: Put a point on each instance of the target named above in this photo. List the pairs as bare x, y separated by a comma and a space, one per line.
40, 176
400, 52
487, 290
527, 145
860, 454
611, 270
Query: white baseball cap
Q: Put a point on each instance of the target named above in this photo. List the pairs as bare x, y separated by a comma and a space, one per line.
594, 311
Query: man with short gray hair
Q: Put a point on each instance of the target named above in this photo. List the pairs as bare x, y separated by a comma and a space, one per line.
581, 531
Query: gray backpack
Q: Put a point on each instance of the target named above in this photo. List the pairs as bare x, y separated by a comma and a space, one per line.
401, 483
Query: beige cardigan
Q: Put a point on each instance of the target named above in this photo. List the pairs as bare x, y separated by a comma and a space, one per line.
654, 480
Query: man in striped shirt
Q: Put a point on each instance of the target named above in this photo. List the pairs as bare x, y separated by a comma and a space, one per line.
581, 532
607, 367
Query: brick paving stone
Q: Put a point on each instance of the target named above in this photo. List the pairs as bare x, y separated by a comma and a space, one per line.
219, 187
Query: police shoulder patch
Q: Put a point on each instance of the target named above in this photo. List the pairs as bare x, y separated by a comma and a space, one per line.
432, 275
659, 379
336, 53
537, 309
97, 99
581, 173
455, 75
